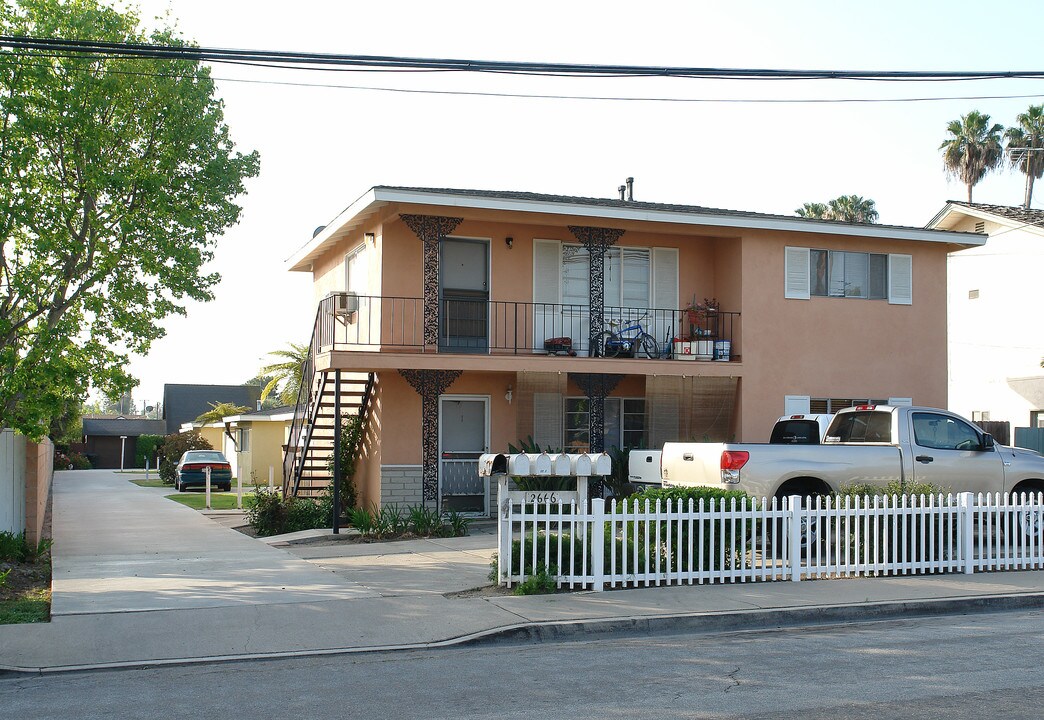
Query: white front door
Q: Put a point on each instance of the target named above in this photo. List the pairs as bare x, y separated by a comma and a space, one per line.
463, 437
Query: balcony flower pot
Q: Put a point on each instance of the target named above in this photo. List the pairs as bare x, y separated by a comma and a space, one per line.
684, 349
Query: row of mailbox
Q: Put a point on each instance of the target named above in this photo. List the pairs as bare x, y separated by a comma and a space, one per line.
545, 464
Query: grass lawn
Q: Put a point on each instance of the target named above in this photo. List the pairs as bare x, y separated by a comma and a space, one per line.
32, 607
151, 482
218, 500
25, 580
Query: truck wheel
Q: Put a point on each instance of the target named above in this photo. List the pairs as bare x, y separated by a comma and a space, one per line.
812, 536
1029, 522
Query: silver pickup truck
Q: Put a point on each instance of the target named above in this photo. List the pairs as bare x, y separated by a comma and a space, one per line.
865, 444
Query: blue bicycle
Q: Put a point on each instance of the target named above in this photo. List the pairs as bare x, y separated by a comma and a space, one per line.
631, 341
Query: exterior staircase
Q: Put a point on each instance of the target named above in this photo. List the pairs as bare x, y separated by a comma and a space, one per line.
310, 445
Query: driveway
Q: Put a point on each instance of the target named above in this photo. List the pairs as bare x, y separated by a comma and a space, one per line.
122, 548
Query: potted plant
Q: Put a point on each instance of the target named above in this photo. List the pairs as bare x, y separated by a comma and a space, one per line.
703, 325
684, 348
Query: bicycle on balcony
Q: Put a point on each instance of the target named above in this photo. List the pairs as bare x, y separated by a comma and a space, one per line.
631, 341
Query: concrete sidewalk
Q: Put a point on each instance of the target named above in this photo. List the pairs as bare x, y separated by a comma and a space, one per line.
140, 580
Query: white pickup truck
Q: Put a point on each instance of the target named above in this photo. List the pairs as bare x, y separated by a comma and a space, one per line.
865, 444
643, 466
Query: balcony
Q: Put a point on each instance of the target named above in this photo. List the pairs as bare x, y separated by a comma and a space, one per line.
488, 330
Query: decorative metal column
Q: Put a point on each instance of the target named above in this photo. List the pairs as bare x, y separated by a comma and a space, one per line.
429, 384
431, 229
597, 241
596, 386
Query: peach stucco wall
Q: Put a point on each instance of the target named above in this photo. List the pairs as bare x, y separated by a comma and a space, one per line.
838, 347
823, 347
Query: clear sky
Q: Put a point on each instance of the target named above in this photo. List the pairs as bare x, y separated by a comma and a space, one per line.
323, 147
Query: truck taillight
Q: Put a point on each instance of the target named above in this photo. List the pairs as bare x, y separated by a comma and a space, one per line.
731, 462
734, 459
866, 407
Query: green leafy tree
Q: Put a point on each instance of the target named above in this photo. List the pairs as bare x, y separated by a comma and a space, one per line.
1026, 147
220, 411
285, 376
972, 149
118, 175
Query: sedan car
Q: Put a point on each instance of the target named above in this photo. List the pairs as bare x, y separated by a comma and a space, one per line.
191, 470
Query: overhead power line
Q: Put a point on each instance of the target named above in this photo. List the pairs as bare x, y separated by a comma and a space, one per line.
370, 63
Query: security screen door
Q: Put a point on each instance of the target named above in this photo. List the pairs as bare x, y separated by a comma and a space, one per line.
463, 437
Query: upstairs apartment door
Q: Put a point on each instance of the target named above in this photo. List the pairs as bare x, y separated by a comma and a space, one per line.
463, 437
464, 296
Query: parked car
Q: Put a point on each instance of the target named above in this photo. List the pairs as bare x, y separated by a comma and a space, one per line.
191, 470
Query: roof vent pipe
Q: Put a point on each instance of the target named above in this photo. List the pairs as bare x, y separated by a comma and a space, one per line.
623, 192
630, 189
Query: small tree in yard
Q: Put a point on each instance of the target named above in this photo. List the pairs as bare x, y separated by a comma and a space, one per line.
173, 447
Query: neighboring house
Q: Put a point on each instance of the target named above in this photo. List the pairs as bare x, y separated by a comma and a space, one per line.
434, 307
183, 403
253, 442
996, 343
107, 438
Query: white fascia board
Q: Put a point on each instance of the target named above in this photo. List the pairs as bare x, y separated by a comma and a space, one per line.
667, 216
381, 196
298, 261
985, 215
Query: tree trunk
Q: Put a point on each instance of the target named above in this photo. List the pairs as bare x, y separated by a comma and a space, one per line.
1029, 190
969, 191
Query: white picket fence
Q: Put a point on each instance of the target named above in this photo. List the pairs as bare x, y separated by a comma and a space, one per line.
630, 545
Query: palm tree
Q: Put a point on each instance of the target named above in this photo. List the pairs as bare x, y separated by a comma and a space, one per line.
813, 210
286, 373
973, 148
846, 208
219, 411
852, 208
1026, 147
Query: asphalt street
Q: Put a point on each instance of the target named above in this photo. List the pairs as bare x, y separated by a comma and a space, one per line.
952, 667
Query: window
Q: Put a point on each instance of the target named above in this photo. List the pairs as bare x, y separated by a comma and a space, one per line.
941, 432
819, 406
355, 270
243, 441
848, 274
837, 273
627, 276
866, 426
624, 423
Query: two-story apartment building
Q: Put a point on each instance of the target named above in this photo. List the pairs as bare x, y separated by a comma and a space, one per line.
996, 347
438, 306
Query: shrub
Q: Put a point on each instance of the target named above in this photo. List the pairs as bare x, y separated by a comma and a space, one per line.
351, 436
16, 548
391, 521
541, 583
273, 514
173, 447
145, 449
893, 488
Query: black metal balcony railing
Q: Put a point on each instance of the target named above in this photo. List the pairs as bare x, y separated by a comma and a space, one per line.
476, 325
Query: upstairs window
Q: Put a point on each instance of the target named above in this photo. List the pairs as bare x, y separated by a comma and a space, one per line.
837, 273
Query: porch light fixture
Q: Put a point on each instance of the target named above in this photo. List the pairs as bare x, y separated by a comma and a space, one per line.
510, 242
371, 237
508, 395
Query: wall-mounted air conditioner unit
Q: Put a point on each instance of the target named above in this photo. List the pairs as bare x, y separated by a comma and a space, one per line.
345, 305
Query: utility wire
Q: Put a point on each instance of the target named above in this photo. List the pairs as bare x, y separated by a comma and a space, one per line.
384, 62
549, 96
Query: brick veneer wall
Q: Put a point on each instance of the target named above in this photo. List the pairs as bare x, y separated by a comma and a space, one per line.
401, 484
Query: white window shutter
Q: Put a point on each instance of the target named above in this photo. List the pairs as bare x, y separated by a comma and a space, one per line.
665, 278
797, 273
547, 271
900, 402
900, 279
797, 404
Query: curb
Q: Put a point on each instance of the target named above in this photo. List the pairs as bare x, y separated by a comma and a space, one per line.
737, 621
